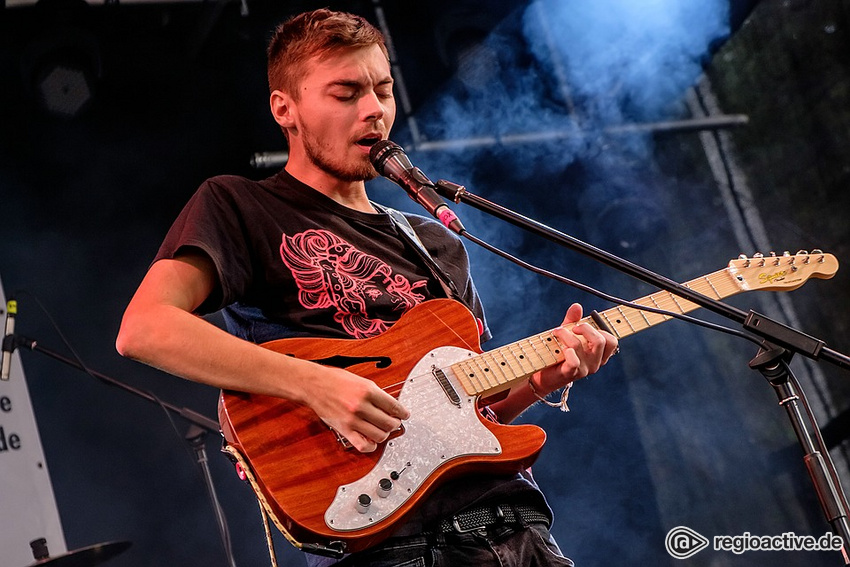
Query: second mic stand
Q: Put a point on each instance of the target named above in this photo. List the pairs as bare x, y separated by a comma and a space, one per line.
781, 343
772, 362
195, 435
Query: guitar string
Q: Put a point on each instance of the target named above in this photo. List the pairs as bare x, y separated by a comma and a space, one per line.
721, 288
663, 300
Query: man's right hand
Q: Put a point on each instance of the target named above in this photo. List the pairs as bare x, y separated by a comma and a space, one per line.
160, 329
356, 408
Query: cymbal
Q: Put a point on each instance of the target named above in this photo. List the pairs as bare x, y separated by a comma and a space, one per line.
86, 556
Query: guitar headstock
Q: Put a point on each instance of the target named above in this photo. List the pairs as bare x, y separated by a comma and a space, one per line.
785, 272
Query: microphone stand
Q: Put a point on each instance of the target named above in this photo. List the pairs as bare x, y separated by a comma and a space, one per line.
200, 425
780, 343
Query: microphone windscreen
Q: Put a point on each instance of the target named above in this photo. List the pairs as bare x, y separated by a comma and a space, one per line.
381, 152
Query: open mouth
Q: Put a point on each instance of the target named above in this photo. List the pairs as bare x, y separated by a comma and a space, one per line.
369, 141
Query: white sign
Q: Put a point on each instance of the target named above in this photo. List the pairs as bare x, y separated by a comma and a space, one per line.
27, 505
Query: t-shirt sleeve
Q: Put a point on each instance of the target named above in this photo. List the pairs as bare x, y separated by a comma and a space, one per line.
212, 223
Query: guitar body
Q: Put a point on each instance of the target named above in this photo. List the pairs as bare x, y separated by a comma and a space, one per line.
320, 489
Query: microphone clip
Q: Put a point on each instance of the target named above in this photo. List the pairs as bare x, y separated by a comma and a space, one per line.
451, 191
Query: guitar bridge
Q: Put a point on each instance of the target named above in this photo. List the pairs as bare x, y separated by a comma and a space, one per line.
346, 444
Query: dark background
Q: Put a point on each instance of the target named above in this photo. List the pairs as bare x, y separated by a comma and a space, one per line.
563, 111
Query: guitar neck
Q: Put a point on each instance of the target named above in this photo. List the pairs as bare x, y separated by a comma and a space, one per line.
499, 369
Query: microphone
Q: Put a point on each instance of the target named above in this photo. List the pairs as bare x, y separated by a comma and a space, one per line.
8, 339
389, 160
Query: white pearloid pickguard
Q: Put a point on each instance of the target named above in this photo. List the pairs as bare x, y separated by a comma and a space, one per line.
436, 432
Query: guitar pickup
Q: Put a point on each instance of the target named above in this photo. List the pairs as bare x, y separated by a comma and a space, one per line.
447, 387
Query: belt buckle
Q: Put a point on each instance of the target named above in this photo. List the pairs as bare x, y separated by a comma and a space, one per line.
459, 529
500, 518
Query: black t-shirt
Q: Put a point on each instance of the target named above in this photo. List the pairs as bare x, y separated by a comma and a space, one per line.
293, 262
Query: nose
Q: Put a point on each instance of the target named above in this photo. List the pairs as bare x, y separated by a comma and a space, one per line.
372, 108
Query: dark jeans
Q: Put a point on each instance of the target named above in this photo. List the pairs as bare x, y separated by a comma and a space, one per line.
496, 546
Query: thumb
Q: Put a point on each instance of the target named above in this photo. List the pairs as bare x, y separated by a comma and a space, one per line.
574, 313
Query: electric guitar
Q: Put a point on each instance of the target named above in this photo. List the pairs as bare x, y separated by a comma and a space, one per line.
320, 490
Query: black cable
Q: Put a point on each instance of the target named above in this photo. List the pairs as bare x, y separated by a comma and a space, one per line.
608, 297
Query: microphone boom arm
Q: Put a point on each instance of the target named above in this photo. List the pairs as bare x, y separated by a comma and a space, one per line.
775, 332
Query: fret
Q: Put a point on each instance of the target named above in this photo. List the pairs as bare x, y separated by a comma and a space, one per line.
544, 343
495, 366
509, 360
483, 372
645, 318
653, 318
546, 350
520, 359
676, 301
625, 318
655, 303
522, 344
635, 326
612, 326
523, 357
714, 289
470, 376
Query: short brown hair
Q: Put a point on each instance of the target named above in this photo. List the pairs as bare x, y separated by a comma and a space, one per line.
316, 33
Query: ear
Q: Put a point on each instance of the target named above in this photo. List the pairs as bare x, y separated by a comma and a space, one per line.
282, 109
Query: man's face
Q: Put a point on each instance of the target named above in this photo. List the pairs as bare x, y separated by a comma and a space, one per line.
345, 105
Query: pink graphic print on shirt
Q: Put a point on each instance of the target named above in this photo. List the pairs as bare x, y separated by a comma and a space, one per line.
332, 274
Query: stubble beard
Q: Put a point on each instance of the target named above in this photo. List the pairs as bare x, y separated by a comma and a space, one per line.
348, 172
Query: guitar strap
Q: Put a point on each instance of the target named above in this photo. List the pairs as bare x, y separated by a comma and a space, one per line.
411, 238
265, 509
